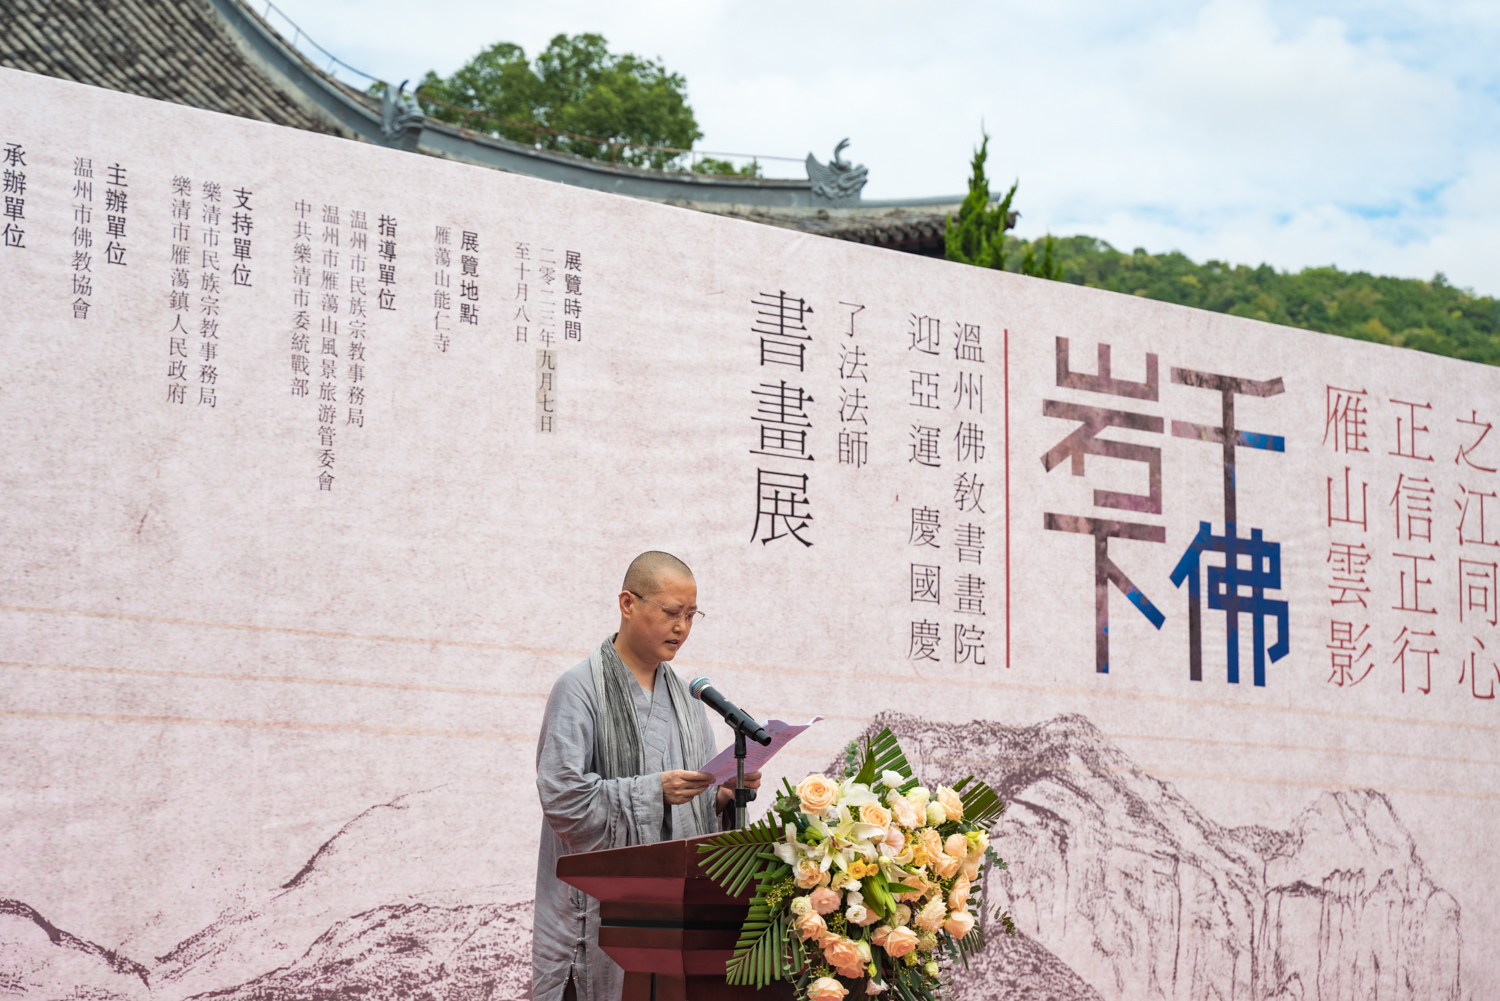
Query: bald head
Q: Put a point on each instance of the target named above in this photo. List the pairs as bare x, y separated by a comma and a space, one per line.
648, 570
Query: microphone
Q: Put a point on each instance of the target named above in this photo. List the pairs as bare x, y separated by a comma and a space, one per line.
736, 717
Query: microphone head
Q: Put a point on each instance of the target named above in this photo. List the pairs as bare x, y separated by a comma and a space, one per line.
696, 688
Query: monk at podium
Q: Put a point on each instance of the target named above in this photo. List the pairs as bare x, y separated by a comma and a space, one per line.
621, 739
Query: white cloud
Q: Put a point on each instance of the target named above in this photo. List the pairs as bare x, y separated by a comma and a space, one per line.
1339, 132
1314, 110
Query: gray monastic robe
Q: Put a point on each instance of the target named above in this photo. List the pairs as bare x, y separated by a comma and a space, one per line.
583, 812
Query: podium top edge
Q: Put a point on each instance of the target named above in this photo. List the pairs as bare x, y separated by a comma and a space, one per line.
670, 860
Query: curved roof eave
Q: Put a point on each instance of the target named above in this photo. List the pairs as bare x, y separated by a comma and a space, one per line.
353, 111
442, 139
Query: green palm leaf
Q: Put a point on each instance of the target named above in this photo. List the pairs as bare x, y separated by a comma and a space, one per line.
763, 952
734, 858
969, 945
908, 985
982, 805
883, 754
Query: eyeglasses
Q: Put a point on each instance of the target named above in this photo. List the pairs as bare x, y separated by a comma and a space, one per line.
674, 613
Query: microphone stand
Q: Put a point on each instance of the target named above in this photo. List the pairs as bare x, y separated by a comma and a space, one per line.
742, 796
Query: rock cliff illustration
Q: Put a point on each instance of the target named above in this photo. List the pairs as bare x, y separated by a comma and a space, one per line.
39, 960
1141, 896
1121, 889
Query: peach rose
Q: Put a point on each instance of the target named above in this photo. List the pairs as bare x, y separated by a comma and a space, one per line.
959, 924
899, 942
916, 884
874, 813
959, 898
957, 845
809, 874
824, 900
878, 936
952, 805
946, 866
843, 956
971, 867
906, 812
826, 989
932, 915
817, 793
932, 842
811, 926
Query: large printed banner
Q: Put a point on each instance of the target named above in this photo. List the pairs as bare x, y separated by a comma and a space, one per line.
322, 461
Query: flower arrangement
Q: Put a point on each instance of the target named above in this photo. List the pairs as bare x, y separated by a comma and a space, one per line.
861, 883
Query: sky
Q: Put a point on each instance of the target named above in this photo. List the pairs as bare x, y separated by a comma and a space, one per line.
1362, 135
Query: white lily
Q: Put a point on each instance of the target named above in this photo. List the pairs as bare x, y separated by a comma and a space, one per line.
855, 834
898, 856
856, 794
893, 869
844, 857
818, 851
790, 849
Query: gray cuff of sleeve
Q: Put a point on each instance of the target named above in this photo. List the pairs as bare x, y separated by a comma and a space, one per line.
647, 806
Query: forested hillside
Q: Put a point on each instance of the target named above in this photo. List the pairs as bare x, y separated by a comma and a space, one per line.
1429, 316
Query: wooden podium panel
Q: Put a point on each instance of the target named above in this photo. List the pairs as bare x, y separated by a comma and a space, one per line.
668, 926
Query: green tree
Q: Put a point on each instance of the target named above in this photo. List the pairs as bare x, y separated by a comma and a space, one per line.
709, 165
1048, 267
978, 235
575, 85
1432, 316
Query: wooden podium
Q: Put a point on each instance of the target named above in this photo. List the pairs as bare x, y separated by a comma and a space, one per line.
668, 925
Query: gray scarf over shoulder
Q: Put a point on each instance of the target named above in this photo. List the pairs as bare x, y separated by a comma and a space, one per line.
621, 752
